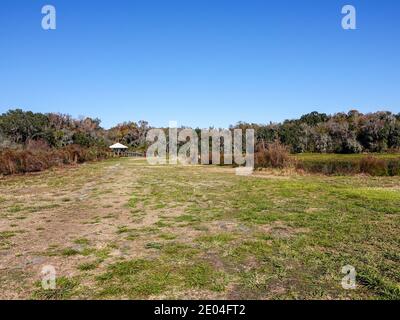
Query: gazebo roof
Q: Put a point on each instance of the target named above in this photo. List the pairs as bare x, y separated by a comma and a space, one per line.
118, 146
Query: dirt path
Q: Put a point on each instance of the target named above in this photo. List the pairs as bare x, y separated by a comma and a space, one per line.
45, 217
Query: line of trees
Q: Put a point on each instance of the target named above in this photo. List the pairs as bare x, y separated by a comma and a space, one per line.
19, 129
351, 132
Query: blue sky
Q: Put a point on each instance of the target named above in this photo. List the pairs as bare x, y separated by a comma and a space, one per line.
199, 62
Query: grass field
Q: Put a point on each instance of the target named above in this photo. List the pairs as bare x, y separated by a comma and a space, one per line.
124, 229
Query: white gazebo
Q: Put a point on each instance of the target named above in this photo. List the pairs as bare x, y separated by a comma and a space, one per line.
118, 148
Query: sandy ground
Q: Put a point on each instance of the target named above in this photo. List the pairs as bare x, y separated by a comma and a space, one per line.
50, 211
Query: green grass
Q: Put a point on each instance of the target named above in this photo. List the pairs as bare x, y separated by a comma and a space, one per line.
168, 236
204, 276
87, 266
69, 252
5, 243
65, 288
217, 235
123, 229
7, 234
15, 209
82, 241
315, 225
140, 278
153, 245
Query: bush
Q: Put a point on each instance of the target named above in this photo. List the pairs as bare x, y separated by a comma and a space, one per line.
33, 160
368, 165
394, 167
273, 155
329, 167
374, 166
35, 145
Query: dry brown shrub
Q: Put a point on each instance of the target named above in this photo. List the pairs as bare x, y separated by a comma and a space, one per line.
37, 157
274, 155
373, 166
35, 145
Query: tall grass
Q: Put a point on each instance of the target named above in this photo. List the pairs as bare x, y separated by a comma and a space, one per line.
274, 155
371, 165
37, 158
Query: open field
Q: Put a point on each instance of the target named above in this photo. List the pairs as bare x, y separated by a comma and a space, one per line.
124, 229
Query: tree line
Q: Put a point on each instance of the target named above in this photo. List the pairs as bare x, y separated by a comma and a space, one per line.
18, 128
352, 132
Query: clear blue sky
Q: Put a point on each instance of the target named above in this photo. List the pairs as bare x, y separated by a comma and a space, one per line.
200, 62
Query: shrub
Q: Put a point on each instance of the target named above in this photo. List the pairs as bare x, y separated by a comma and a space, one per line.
37, 159
394, 167
34, 145
329, 167
374, 166
369, 165
8, 161
273, 155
